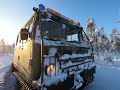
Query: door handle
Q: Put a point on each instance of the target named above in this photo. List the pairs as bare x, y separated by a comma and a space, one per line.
30, 63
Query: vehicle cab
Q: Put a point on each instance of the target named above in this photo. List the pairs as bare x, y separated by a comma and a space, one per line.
53, 51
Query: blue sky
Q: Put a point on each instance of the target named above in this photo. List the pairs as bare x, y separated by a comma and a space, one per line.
15, 13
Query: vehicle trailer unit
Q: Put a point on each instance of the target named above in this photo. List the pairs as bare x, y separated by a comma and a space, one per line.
52, 52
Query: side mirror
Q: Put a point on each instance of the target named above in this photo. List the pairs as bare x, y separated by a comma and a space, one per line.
24, 34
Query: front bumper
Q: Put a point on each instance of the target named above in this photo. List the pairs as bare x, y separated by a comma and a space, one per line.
68, 84
88, 72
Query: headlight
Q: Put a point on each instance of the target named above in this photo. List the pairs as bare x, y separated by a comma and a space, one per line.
51, 69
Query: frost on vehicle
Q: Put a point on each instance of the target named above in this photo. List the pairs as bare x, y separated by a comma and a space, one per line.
54, 54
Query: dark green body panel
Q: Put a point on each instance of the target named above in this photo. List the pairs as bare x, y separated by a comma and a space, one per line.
36, 64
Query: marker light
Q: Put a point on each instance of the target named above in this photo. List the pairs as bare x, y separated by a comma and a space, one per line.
78, 24
74, 22
52, 11
42, 7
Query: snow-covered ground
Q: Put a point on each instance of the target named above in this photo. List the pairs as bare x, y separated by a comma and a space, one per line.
7, 80
107, 76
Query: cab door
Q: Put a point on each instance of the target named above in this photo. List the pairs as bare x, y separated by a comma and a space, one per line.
27, 52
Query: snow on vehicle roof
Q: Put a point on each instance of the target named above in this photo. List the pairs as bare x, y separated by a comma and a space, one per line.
62, 16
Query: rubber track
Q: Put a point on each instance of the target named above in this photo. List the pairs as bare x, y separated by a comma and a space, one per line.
25, 84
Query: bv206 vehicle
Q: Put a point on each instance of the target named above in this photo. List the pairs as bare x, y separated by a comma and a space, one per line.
52, 52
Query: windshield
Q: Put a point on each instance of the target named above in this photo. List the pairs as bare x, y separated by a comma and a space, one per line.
53, 30
72, 34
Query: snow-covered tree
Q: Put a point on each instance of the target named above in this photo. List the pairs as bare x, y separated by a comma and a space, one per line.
2, 46
97, 36
115, 40
6, 48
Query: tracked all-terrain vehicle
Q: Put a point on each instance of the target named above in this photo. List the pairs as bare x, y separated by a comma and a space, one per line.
52, 52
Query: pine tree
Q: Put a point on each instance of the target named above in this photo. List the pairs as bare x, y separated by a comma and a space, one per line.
2, 47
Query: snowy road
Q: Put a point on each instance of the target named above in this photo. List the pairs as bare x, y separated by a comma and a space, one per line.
7, 80
107, 76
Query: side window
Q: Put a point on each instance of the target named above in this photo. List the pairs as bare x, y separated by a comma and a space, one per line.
31, 26
17, 40
37, 36
27, 27
30, 29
